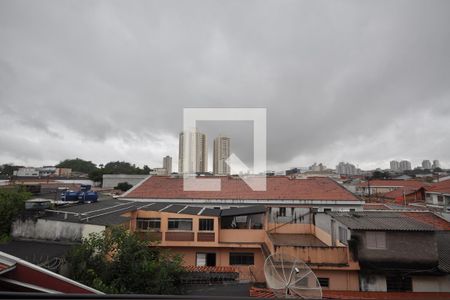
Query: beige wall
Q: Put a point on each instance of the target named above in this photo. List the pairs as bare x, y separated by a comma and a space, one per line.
223, 258
242, 235
340, 280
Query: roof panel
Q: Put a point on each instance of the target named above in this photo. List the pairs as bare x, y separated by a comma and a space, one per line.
278, 188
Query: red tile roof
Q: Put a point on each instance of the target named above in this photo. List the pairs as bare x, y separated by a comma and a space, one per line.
206, 269
395, 183
440, 187
429, 218
375, 206
398, 193
347, 295
279, 187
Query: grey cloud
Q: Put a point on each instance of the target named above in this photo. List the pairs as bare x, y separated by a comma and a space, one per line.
350, 76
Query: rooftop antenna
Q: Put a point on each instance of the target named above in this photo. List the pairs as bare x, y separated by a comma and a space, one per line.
290, 277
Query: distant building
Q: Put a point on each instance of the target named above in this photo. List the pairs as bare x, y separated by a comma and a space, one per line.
47, 171
63, 172
436, 164
112, 180
426, 164
347, 169
317, 167
167, 164
405, 165
158, 172
27, 172
221, 154
193, 153
395, 165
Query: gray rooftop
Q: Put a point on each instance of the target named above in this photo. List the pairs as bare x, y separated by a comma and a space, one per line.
296, 240
380, 220
110, 211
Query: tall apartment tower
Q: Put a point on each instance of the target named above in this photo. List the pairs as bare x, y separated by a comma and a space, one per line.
405, 165
395, 165
193, 153
426, 164
220, 155
167, 164
436, 164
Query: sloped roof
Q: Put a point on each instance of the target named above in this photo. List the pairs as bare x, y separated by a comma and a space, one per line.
440, 187
387, 220
278, 187
398, 193
416, 184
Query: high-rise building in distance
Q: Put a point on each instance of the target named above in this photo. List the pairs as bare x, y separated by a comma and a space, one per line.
405, 165
426, 164
220, 155
193, 153
395, 165
436, 164
167, 164
347, 169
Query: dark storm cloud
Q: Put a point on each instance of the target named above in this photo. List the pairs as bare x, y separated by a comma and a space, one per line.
361, 81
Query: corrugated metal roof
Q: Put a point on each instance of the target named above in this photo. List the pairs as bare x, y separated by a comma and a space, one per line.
380, 220
246, 210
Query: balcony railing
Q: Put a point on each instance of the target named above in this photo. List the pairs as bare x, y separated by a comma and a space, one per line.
179, 236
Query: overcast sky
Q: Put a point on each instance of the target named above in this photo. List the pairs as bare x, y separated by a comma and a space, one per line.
357, 81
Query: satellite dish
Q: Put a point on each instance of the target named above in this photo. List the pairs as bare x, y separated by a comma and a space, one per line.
290, 277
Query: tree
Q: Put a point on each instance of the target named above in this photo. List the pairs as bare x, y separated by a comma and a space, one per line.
12, 203
78, 165
96, 176
122, 167
117, 261
8, 169
123, 186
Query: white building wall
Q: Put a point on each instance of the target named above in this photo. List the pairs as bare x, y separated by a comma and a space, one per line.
52, 230
112, 180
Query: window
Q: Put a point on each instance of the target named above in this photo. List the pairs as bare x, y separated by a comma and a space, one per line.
242, 258
206, 225
398, 284
282, 212
375, 240
206, 259
327, 209
180, 224
148, 224
324, 282
343, 235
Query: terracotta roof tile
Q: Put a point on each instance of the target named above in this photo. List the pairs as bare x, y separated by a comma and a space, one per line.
347, 295
395, 183
279, 187
440, 187
207, 269
429, 218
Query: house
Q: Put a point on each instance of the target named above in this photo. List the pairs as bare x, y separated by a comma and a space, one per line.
220, 244
402, 191
319, 192
17, 275
241, 238
396, 250
439, 195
